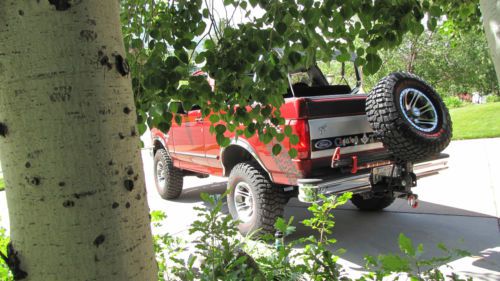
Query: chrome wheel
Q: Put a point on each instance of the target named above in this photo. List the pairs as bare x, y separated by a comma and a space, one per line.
418, 110
160, 173
243, 199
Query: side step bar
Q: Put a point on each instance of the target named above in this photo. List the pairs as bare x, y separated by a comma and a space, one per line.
309, 189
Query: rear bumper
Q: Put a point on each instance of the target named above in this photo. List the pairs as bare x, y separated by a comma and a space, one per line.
310, 189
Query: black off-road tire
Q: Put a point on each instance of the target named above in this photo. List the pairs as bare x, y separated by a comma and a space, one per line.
268, 204
172, 185
399, 136
373, 203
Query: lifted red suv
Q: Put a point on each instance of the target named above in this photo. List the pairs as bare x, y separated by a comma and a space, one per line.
375, 145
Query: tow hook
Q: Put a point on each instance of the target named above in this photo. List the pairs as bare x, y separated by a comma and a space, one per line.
412, 200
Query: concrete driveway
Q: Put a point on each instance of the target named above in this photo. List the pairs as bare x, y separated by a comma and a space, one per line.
460, 208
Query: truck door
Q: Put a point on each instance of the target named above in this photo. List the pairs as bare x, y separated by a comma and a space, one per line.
189, 141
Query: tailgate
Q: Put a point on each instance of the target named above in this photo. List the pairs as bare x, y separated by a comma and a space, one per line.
339, 122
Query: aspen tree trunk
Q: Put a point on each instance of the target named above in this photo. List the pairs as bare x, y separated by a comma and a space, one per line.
490, 9
68, 144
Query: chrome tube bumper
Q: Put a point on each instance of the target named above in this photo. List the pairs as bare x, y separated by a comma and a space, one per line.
310, 189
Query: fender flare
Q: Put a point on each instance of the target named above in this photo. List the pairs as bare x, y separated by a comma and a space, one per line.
242, 143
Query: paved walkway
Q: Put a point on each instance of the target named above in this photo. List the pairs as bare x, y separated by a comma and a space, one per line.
460, 208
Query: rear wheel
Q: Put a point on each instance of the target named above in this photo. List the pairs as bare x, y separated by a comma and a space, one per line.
168, 178
373, 202
253, 200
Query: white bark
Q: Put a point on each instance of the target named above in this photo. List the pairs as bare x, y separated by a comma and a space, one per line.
490, 9
69, 150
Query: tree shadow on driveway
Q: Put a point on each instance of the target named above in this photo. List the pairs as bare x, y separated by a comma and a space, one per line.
374, 233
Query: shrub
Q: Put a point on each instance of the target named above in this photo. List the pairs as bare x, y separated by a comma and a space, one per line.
5, 273
222, 254
453, 102
492, 98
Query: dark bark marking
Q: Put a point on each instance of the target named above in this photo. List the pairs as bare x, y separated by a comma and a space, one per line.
138, 197
121, 65
130, 171
61, 5
126, 110
68, 204
61, 94
121, 135
92, 22
13, 262
104, 60
133, 133
83, 194
34, 154
127, 205
88, 35
61, 183
136, 177
111, 163
33, 181
115, 205
99, 240
3, 130
129, 185
21, 12
27, 165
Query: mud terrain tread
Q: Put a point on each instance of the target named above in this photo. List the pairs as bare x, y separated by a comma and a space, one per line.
173, 177
391, 128
270, 200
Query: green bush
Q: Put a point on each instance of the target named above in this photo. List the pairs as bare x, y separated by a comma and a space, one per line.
222, 254
453, 102
2, 184
493, 98
5, 274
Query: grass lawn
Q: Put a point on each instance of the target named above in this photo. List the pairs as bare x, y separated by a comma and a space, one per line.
2, 184
476, 121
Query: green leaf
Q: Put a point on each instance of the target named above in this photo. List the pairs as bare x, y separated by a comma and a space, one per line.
220, 129
406, 245
214, 118
281, 27
294, 139
294, 58
394, 263
276, 149
374, 62
292, 153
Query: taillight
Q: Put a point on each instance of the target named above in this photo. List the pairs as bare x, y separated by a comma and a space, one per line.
300, 127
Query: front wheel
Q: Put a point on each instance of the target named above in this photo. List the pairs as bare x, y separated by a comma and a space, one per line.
253, 200
168, 178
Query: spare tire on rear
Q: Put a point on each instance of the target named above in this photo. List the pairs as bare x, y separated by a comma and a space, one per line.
409, 117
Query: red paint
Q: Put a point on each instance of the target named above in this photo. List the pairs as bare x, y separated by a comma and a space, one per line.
192, 147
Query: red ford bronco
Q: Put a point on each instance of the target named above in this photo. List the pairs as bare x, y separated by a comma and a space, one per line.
375, 145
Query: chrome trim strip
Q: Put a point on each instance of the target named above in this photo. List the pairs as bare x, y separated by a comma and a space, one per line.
309, 191
346, 150
429, 168
189, 154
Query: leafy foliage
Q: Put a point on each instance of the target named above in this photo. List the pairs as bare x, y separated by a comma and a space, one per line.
451, 63
248, 47
5, 273
411, 264
221, 254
